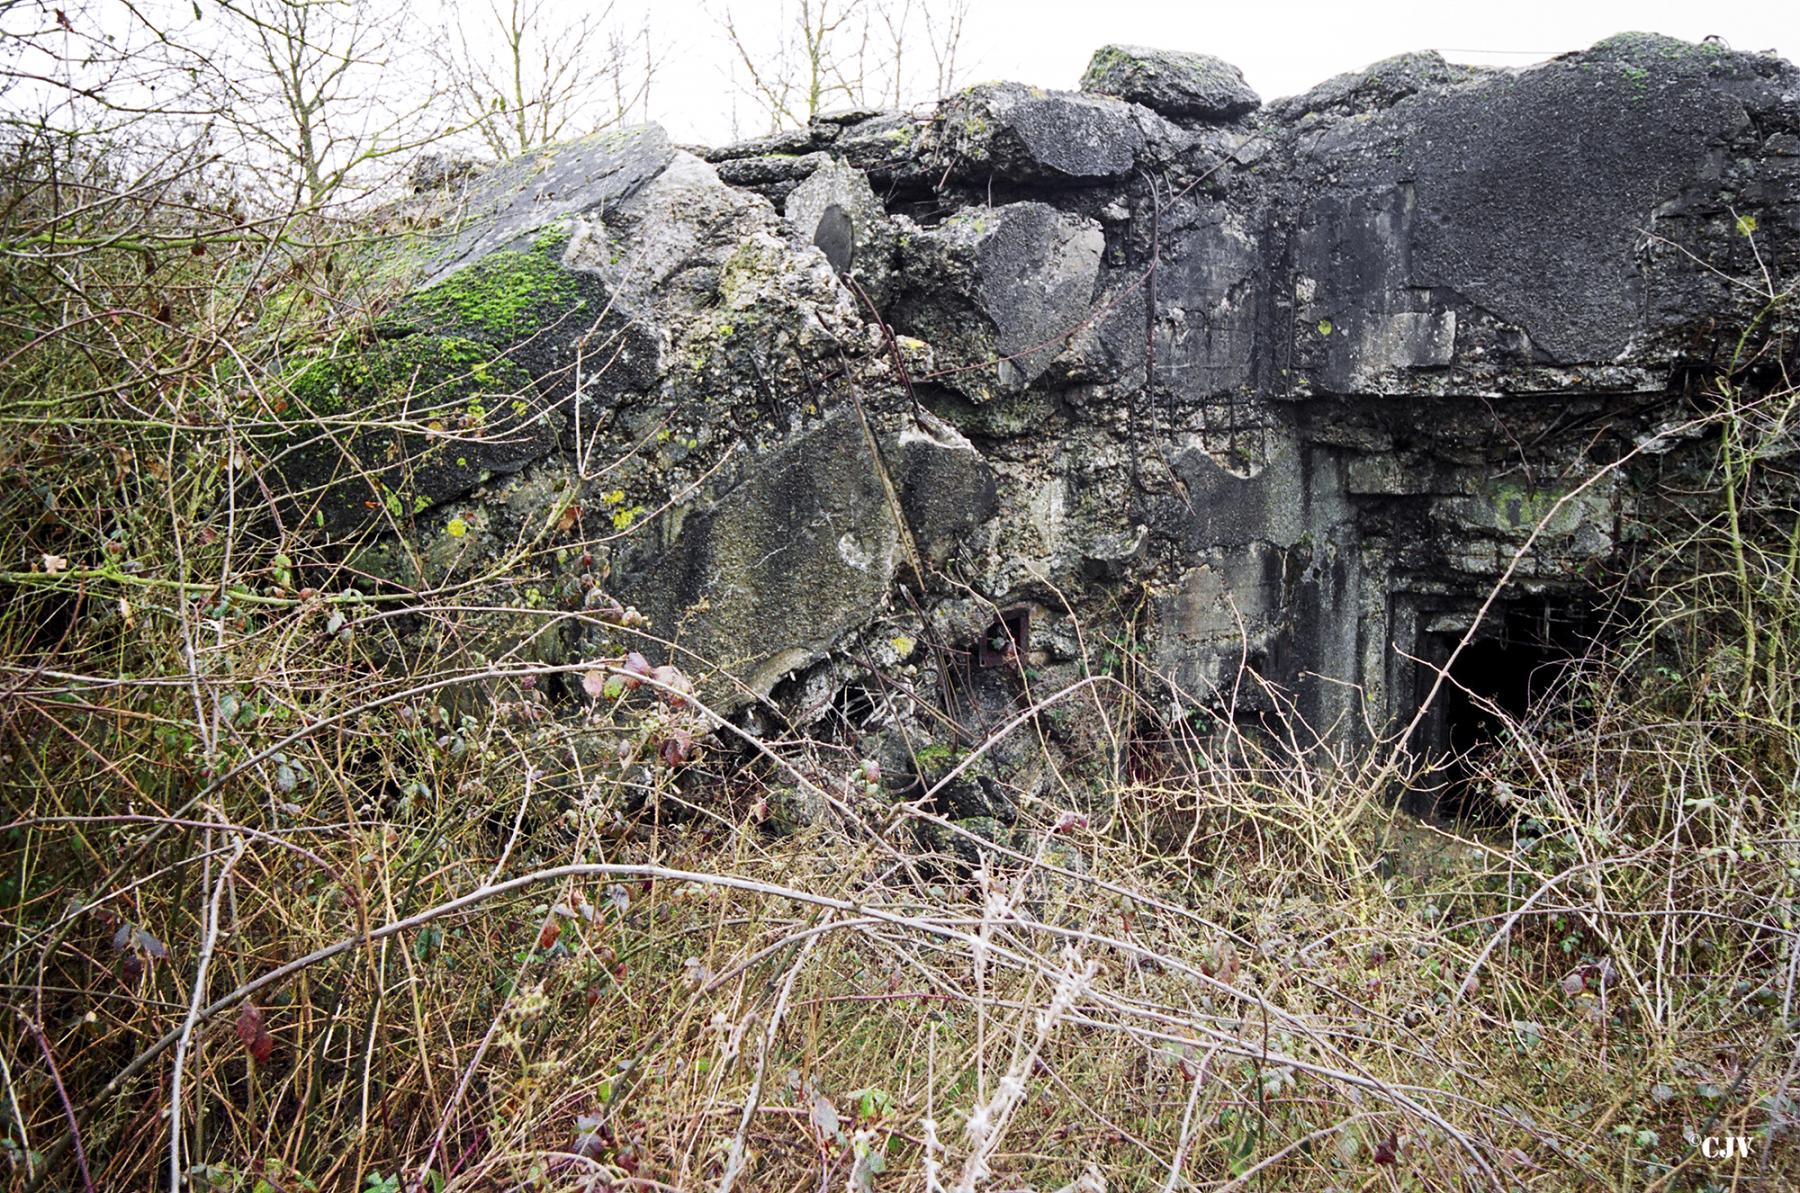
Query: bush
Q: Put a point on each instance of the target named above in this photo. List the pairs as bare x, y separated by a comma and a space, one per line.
304, 892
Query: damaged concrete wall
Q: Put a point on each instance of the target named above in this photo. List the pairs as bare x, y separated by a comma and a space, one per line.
1283, 386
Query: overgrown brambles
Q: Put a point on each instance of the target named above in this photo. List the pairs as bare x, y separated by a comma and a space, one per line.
305, 892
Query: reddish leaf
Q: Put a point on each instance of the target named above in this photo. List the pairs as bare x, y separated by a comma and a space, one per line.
1384, 1151
552, 930
672, 685
677, 748
636, 668
256, 1038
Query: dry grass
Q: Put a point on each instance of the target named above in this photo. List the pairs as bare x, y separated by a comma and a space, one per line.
290, 908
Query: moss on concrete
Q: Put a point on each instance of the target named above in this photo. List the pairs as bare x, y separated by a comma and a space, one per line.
446, 385
434, 370
502, 297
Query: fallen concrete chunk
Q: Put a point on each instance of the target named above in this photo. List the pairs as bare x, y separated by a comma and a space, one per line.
1179, 85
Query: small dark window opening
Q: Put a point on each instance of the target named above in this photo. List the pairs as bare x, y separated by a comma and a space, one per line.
856, 705
1006, 641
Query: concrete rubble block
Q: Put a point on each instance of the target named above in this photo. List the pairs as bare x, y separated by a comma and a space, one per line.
946, 489
892, 148
998, 292
1221, 616
1381, 85
518, 198
761, 579
661, 248
1024, 134
1208, 302
869, 238
773, 177
1177, 84
376, 437
1389, 321
791, 142
1525, 196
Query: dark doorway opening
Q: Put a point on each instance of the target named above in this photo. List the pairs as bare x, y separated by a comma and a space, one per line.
1516, 663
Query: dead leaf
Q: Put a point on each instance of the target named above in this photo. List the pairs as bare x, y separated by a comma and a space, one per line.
149, 945
671, 684
54, 564
825, 1118
256, 1038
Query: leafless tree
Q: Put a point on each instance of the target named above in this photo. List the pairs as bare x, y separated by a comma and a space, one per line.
524, 73
107, 151
100, 72
943, 39
818, 54
325, 89
943, 32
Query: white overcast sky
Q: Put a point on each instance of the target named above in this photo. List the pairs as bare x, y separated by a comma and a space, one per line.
1282, 47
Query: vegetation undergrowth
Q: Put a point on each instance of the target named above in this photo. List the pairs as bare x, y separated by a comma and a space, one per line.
292, 904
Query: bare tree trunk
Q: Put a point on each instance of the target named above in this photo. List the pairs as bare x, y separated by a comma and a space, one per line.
858, 54
528, 75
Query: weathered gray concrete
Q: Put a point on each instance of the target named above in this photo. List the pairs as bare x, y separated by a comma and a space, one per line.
1285, 387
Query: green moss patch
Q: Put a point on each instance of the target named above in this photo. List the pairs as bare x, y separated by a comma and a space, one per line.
504, 297
424, 372
465, 414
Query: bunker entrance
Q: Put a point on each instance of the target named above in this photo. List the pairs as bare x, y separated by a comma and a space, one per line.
1504, 676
